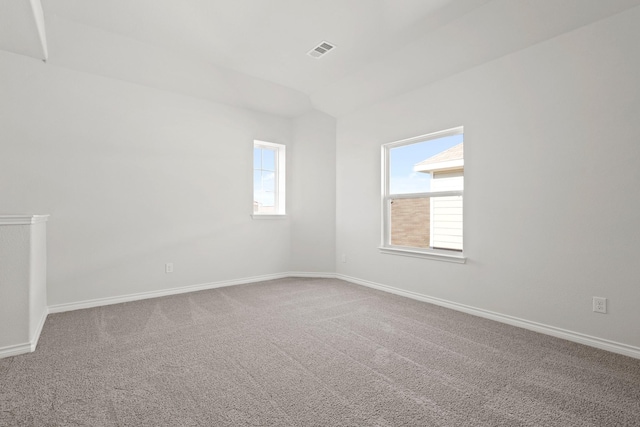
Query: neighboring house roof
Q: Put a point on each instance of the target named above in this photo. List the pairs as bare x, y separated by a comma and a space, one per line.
452, 158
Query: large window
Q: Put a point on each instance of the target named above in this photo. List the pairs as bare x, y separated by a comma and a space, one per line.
268, 178
423, 183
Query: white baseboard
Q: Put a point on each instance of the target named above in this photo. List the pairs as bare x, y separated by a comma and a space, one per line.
600, 343
59, 308
14, 350
36, 335
28, 347
591, 341
308, 274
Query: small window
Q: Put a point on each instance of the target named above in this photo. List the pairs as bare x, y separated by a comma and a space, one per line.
423, 183
268, 178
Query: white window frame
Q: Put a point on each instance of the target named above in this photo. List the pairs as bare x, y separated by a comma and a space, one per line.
386, 247
280, 180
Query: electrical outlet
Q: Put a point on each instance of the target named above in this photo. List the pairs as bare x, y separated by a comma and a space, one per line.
599, 305
344, 257
168, 267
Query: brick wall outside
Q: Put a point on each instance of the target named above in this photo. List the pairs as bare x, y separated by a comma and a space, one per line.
410, 220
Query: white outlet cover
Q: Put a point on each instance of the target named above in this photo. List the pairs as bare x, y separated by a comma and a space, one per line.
599, 305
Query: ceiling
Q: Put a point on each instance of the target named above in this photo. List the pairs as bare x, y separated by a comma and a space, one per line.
252, 53
22, 28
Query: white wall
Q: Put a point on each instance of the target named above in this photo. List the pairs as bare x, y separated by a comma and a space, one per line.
23, 291
37, 279
313, 189
133, 177
553, 118
14, 285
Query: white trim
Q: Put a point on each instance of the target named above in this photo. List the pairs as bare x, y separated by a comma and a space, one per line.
22, 219
431, 194
15, 350
36, 335
601, 343
98, 302
431, 254
28, 347
311, 274
266, 144
268, 216
459, 130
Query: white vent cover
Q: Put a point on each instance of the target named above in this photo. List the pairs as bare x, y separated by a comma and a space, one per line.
322, 49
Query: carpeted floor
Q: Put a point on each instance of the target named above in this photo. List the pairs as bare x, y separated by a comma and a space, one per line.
308, 352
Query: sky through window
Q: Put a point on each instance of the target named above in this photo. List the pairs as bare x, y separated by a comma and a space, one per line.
402, 178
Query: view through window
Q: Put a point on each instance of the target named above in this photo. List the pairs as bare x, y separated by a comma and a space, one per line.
423, 192
268, 178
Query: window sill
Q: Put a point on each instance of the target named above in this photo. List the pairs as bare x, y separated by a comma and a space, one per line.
266, 216
434, 255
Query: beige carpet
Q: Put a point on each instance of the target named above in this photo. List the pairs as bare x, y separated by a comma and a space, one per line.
308, 352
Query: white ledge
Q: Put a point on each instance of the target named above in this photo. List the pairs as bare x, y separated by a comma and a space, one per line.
22, 219
263, 216
439, 256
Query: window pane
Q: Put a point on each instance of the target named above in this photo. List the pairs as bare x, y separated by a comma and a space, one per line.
263, 190
427, 222
268, 181
265, 199
269, 178
269, 199
403, 177
268, 159
446, 224
410, 222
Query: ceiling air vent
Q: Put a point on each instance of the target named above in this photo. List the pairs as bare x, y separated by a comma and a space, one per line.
321, 50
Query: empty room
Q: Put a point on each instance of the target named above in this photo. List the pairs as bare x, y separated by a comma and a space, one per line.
320, 213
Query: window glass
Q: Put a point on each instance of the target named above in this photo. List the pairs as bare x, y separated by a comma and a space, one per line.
403, 178
423, 192
268, 178
268, 159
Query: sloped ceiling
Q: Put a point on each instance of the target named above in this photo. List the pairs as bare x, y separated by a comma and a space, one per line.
252, 53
